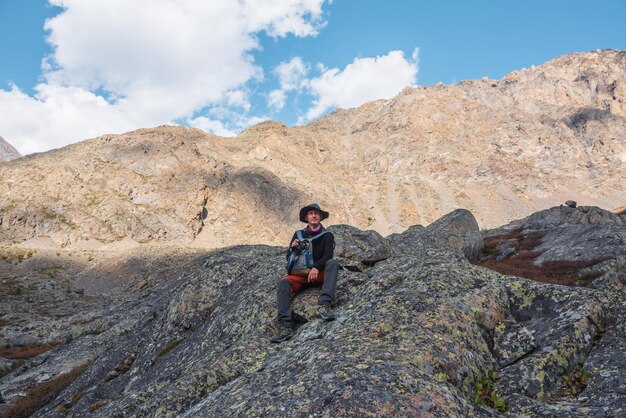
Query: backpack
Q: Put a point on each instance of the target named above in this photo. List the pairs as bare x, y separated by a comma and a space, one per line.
300, 259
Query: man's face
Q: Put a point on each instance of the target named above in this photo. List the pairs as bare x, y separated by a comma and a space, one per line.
313, 217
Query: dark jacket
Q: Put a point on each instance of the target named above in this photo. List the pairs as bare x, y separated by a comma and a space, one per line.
323, 247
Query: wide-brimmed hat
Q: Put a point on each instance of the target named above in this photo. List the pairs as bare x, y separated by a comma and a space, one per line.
312, 206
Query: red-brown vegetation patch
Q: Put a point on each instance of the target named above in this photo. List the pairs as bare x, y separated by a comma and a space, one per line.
522, 262
490, 244
515, 238
27, 351
563, 272
41, 394
170, 347
93, 408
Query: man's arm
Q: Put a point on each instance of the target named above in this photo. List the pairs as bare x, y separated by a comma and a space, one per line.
328, 242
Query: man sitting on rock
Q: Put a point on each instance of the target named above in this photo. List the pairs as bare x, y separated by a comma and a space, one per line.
323, 273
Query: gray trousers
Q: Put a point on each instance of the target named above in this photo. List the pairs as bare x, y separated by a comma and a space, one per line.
283, 293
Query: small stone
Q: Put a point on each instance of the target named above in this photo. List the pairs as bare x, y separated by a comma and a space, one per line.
506, 253
570, 203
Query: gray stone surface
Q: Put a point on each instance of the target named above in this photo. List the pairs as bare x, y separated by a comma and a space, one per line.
414, 334
358, 249
457, 230
512, 341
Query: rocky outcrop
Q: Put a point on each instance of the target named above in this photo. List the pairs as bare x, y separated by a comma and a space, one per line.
418, 328
358, 249
585, 241
500, 148
7, 151
588, 244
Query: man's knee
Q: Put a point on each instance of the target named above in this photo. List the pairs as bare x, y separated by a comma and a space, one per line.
284, 284
331, 264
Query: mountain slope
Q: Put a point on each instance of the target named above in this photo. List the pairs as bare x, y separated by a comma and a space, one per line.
501, 148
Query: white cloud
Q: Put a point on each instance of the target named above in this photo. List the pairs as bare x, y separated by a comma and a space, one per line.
215, 127
291, 74
224, 122
365, 79
157, 61
276, 99
57, 116
279, 18
238, 98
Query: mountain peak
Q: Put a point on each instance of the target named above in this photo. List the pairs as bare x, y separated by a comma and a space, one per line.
7, 151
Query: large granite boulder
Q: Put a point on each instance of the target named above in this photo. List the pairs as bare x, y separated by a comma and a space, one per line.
457, 230
356, 250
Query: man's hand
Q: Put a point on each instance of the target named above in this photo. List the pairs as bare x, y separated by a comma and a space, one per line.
295, 243
313, 275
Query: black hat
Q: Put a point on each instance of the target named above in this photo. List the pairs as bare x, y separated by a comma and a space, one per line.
312, 206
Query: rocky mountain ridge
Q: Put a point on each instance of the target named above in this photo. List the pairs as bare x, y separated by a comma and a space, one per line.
422, 328
500, 148
7, 151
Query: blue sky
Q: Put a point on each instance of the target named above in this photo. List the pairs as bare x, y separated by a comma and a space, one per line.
109, 67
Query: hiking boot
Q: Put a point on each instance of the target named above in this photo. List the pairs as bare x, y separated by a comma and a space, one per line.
325, 312
284, 334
